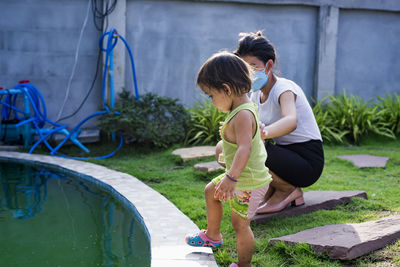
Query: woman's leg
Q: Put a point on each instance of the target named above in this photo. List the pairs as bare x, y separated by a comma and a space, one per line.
298, 164
244, 239
282, 189
214, 213
268, 194
218, 152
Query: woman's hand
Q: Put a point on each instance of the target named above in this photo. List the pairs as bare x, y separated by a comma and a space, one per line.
225, 189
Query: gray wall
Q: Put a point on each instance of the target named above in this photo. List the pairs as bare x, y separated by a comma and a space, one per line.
368, 54
173, 38
38, 40
356, 42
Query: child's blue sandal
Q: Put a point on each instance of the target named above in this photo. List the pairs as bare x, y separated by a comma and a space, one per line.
201, 240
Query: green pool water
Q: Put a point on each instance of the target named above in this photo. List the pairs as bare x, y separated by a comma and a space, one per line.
49, 218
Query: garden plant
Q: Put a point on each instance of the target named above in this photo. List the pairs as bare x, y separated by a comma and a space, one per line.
155, 120
351, 117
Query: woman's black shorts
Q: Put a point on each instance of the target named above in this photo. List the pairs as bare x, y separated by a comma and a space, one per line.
299, 164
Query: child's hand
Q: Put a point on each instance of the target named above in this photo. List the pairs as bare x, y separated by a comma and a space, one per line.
225, 189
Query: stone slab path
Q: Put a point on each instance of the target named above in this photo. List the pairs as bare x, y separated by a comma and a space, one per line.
366, 161
211, 166
314, 200
347, 241
196, 152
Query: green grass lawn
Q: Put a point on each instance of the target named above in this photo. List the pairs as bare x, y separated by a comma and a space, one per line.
183, 186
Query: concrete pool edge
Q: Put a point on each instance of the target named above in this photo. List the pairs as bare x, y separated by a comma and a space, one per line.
166, 224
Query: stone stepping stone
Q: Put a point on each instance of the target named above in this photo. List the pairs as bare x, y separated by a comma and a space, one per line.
347, 241
314, 200
196, 152
366, 161
211, 166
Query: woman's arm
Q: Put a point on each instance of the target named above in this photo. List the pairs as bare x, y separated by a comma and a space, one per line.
288, 122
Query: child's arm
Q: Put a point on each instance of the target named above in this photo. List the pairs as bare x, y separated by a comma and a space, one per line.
243, 132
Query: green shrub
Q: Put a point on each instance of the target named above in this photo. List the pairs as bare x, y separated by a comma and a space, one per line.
350, 117
156, 120
358, 117
329, 129
389, 112
204, 124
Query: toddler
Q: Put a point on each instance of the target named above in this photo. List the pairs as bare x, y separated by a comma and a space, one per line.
226, 79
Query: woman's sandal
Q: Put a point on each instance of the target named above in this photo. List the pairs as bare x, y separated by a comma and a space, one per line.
201, 240
295, 198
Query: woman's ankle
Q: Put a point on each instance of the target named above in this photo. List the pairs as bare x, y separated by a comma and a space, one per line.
278, 196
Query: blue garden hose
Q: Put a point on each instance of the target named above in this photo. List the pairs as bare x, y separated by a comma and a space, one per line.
36, 101
39, 118
112, 39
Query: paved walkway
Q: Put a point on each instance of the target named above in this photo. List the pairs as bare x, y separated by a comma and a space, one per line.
366, 161
167, 225
197, 152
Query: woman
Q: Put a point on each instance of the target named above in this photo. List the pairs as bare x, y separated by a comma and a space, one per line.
296, 157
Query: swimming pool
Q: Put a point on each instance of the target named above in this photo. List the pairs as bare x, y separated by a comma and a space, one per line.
50, 218
166, 225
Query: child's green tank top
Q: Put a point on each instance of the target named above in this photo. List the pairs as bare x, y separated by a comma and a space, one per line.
255, 174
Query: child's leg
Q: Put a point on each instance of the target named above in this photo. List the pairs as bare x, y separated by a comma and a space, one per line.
214, 213
244, 239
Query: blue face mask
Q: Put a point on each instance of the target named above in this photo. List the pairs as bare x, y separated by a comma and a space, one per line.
260, 79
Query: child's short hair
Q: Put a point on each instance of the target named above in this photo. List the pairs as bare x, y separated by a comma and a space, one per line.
225, 67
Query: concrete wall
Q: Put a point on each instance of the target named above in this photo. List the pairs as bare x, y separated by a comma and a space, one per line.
368, 53
38, 41
172, 39
323, 45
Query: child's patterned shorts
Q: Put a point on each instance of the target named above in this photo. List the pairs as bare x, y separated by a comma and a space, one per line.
245, 202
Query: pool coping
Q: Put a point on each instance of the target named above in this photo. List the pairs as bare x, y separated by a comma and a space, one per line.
166, 224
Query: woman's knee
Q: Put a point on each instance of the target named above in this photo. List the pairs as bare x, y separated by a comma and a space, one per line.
218, 150
218, 153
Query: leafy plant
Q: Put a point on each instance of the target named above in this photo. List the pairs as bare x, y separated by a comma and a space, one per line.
389, 112
356, 116
157, 120
327, 126
204, 124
